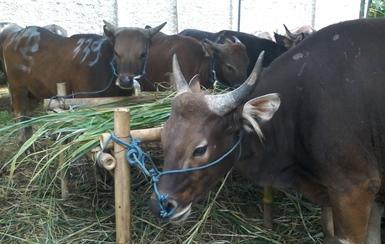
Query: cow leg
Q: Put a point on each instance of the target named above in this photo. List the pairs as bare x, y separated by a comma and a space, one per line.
374, 228
19, 104
327, 224
351, 212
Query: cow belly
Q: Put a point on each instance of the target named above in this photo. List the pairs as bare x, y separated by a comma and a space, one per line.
41, 90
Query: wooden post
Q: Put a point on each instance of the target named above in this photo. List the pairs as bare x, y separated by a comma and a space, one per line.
267, 209
122, 178
61, 90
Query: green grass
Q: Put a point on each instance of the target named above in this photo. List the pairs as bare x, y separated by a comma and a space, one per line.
5, 118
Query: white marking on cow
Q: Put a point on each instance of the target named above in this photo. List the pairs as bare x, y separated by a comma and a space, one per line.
9, 27
343, 241
23, 67
27, 43
300, 71
358, 53
86, 48
298, 56
336, 37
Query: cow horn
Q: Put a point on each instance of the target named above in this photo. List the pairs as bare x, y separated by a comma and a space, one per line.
291, 35
236, 40
153, 31
179, 80
224, 103
215, 46
109, 27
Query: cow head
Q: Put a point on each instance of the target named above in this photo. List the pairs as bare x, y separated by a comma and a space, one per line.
201, 129
131, 46
230, 60
292, 39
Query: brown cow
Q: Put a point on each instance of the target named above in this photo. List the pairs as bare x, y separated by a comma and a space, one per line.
7, 28
326, 140
35, 60
227, 62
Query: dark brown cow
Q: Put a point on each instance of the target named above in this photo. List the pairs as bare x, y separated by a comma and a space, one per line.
228, 61
326, 140
35, 60
254, 45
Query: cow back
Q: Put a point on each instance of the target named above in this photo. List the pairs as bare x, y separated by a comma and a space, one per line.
332, 115
189, 52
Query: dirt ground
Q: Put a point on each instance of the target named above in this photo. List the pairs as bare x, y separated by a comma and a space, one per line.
5, 102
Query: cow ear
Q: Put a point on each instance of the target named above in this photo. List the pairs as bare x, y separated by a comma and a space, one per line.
207, 48
109, 30
282, 40
279, 39
195, 84
260, 109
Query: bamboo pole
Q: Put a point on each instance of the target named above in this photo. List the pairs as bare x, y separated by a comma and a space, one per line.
122, 178
61, 90
267, 209
144, 135
98, 101
104, 160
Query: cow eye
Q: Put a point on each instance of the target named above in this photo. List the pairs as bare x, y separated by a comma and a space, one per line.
116, 53
142, 55
200, 151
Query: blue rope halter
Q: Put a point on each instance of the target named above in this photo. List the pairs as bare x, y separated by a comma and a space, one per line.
137, 158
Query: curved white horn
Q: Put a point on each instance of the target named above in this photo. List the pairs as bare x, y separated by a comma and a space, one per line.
179, 80
224, 103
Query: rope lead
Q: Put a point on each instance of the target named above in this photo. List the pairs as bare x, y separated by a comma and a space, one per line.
137, 158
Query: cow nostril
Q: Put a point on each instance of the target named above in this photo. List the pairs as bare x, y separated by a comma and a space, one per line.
126, 81
170, 205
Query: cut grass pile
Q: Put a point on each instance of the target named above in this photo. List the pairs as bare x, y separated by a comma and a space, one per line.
31, 209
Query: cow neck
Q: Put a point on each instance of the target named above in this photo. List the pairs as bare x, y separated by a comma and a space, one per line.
207, 72
212, 75
278, 150
204, 72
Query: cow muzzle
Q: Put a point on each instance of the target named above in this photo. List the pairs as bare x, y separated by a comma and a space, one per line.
125, 81
179, 212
